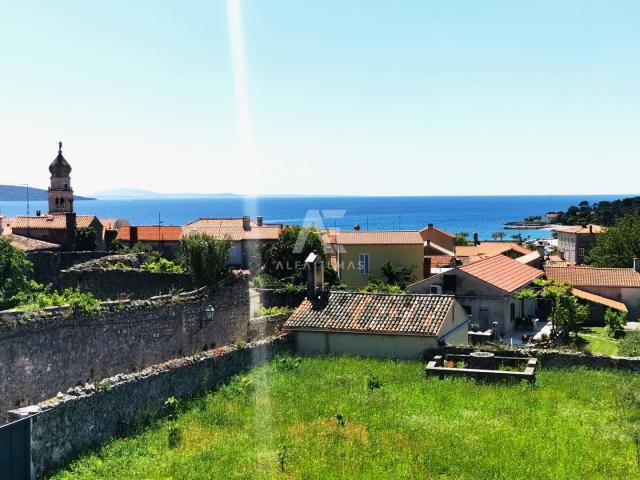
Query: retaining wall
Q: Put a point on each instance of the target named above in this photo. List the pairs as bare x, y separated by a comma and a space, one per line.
47, 265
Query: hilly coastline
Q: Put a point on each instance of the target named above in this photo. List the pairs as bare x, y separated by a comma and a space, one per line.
17, 193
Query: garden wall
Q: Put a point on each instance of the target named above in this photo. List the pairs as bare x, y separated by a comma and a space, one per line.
47, 265
44, 352
72, 424
551, 358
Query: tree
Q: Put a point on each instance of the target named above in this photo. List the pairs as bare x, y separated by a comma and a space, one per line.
629, 345
400, 276
285, 258
614, 320
15, 269
497, 235
569, 314
618, 245
86, 239
461, 239
205, 257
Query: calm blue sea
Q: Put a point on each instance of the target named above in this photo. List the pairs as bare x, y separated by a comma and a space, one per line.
485, 214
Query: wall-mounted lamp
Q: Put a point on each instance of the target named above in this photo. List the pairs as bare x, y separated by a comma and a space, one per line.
209, 312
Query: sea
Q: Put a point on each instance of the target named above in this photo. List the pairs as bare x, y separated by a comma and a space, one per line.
472, 214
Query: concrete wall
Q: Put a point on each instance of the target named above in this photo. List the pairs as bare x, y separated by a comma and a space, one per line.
364, 345
72, 424
398, 255
42, 353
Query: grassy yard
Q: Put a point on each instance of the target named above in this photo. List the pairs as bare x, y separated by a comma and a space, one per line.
596, 340
283, 421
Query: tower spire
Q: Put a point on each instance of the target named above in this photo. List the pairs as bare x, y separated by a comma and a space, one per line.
60, 147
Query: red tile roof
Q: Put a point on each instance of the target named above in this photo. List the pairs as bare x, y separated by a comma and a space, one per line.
164, 233
580, 230
385, 237
30, 244
438, 261
439, 230
50, 222
376, 313
502, 272
592, 297
484, 249
234, 232
581, 276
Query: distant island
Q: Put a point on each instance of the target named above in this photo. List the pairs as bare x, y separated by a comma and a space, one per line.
18, 193
137, 194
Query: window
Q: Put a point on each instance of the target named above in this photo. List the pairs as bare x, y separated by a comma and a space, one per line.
363, 264
467, 309
581, 252
449, 283
512, 312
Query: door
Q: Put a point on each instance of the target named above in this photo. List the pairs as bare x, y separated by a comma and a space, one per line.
483, 318
15, 450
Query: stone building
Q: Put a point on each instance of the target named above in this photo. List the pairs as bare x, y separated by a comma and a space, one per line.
60, 191
575, 243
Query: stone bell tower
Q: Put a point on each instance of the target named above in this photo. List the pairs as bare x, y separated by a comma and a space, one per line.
60, 191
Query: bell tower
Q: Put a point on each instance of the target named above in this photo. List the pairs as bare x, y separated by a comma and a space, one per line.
60, 191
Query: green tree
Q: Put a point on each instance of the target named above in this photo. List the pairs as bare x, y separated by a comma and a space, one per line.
618, 245
15, 269
400, 276
569, 314
462, 239
629, 345
205, 257
86, 239
614, 320
497, 235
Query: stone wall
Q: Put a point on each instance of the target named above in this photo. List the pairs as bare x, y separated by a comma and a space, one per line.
69, 425
551, 358
47, 265
42, 353
267, 326
106, 283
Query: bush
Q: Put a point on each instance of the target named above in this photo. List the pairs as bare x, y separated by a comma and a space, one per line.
376, 285
118, 266
15, 269
205, 257
39, 296
162, 265
266, 311
614, 320
265, 280
86, 238
629, 345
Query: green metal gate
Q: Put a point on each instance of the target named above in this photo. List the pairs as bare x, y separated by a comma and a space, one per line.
15, 450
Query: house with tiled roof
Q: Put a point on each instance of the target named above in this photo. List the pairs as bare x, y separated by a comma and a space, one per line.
361, 254
608, 287
248, 237
59, 228
376, 324
486, 289
163, 238
575, 243
485, 249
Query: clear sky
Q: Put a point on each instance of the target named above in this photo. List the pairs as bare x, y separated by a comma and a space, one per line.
420, 97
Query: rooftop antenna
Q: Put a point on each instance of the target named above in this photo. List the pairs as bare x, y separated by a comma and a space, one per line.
59, 148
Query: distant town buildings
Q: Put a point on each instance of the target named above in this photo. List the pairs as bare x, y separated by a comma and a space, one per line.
575, 243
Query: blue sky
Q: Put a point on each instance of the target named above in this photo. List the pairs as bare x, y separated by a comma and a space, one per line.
351, 97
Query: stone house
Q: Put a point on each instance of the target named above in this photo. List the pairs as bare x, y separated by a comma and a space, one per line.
575, 243
163, 238
620, 285
376, 324
486, 289
58, 229
361, 254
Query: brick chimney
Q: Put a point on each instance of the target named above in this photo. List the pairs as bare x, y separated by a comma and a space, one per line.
636, 264
133, 235
430, 225
315, 275
356, 228
259, 220
476, 242
71, 224
246, 223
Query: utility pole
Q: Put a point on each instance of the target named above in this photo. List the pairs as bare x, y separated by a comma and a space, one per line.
28, 213
160, 242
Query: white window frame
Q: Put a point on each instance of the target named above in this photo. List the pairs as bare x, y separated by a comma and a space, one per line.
363, 264
581, 252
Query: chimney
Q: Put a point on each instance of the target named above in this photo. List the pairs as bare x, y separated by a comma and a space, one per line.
246, 223
426, 267
636, 264
476, 242
259, 220
430, 225
541, 250
38, 213
356, 228
315, 275
590, 228
133, 235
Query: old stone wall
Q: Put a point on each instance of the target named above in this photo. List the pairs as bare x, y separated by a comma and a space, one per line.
551, 358
47, 265
72, 424
267, 325
42, 353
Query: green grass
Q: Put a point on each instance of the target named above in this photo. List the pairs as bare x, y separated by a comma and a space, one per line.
598, 341
573, 424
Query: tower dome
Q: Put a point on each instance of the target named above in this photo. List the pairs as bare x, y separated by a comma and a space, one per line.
60, 167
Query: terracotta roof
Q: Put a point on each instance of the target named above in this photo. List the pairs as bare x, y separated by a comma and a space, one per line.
581, 276
592, 297
30, 244
579, 229
438, 261
383, 237
373, 313
149, 233
502, 272
113, 223
234, 232
443, 232
529, 257
50, 222
487, 249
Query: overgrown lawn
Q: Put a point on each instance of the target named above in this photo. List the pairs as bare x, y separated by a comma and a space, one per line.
345, 418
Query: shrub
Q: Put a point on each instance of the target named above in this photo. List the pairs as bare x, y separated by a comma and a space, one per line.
266, 311
265, 280
205, 257
39, 296
376, 285
118, 266
86, 238
162, 265
629, 345
614, 320
15, 269
373, 382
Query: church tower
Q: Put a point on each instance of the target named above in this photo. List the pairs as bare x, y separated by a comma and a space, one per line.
60, 191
